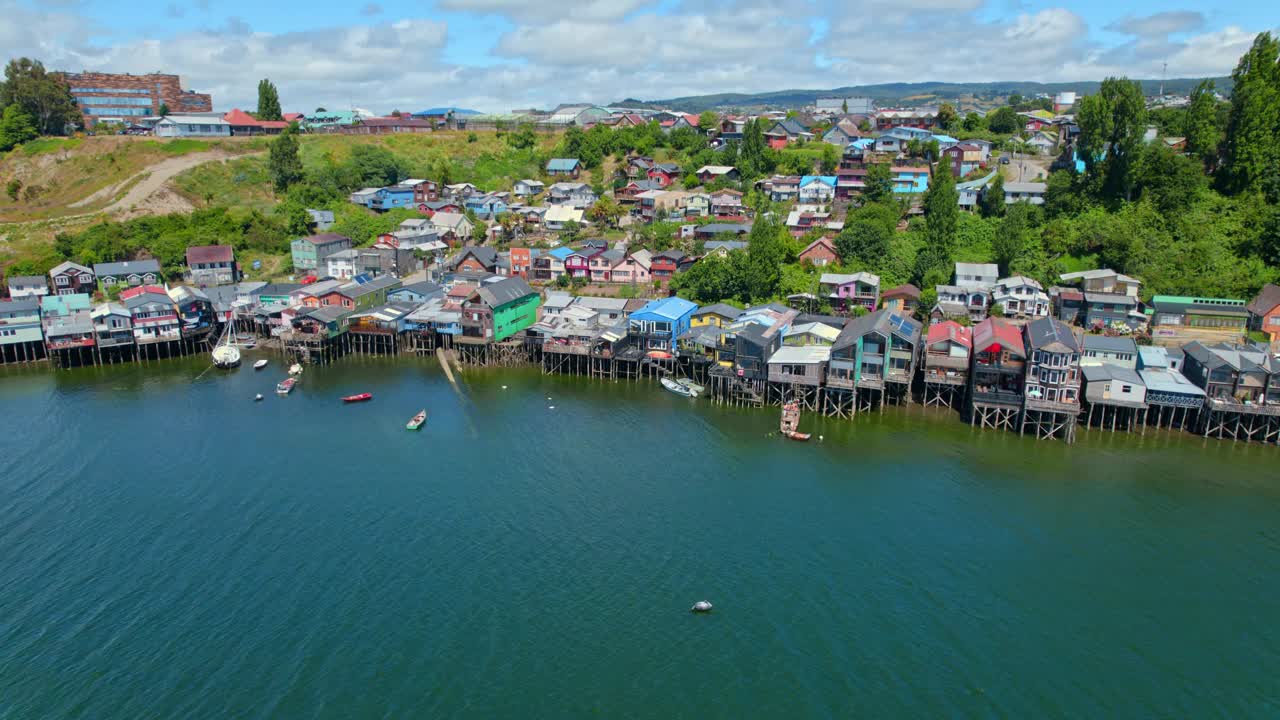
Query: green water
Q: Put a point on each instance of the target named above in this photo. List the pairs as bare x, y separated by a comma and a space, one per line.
171, 549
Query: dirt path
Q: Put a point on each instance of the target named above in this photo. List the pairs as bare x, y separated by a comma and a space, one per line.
154, 179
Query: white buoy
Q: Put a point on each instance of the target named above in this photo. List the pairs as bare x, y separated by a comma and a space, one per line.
702, 606
504, 387
257, 397
819, 438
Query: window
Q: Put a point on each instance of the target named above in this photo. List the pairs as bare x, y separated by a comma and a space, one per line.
8, 332
61, 280
1126, 388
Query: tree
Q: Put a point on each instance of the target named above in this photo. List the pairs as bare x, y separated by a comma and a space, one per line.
1252, 147
863, 241
830, 158
947, 115
1010, 241
991, 203
524, 138
1202, 130
878, 184
1112, 123
941, 208
12, 188
164, 109
751, 156
1169, 180
42, 96
606, 210
973, 122
16, 127
1004, 121
1015, 100
283, 160
708, 121
268, 101
766, 252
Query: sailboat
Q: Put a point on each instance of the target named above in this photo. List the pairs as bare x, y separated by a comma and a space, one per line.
226, 355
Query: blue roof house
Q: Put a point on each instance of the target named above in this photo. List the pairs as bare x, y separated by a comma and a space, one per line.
657, 325
486, 207
391, 197
564, 166
817, 189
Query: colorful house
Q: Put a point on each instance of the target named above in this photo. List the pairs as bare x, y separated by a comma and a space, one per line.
66, 322
633, 268
70, 278
130, 273
902, 299
874, 350
908, 179
496, 311
20, 337
154, 314
1264, 311
657, 324
817, 189
999, 363
846, 291
947, 348
819, 253
309, 252
564, 167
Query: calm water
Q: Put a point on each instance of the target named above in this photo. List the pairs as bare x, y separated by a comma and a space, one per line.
170, 549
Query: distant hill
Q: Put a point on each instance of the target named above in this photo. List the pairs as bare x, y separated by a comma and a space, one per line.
979, 95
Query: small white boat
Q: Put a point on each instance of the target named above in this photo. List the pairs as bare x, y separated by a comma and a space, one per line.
295, 369
702, 606
260, 364
676, 387
257, 398
692, 386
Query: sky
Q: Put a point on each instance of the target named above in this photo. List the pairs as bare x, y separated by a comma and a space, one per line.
499, 55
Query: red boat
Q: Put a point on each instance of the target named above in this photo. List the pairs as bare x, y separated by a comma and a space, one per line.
357, 398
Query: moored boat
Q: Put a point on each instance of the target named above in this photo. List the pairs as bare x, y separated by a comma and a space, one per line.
659, 355
693, 387
361, 397
295, 369
285, 386
260, 364
416, 421
676, 387
226, 355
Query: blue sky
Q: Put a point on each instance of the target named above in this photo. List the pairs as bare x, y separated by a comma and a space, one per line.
502, 54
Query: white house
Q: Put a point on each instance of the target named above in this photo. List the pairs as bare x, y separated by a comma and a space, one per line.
528, 188
1020, 296
342, 264
192, 126
977, 275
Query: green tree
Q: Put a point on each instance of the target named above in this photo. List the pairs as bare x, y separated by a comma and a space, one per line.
863, 241
16, 127
606, 211
12, 188
41, 95
524, 138
766, 252
1010, 241
1201, 127
283, 160
268, 101
941, 208
1169, 180
991, 203
1003, 120
947, 115
878, 184
751, 155
1112, 123
844, 106
830, 158
708, 121
164, 109
973, 122
1252, 148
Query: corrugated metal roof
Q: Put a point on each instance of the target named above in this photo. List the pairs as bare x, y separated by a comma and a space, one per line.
801, 355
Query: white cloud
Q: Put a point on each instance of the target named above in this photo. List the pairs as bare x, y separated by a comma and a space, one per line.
555, 52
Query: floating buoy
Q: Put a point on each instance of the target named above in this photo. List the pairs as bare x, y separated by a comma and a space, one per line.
819, 438
702, 606
504, 387
257, 398
551, 407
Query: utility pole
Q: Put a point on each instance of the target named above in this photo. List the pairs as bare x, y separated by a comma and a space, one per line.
1164, 70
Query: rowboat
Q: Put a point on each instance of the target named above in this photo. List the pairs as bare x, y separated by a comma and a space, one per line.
357, 398
416, 421
676, 387
295, 369
693, 387
285, 386
797, 436
260, 364
658, 355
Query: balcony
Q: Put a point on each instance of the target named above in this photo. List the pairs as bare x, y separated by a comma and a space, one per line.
1252, 408
565, 348
997, 397
1053, 405
945, 377
68, 343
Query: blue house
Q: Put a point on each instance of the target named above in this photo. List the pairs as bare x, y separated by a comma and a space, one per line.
564, 166
910, 179
657, 325
485, 207
418, 292
391, 197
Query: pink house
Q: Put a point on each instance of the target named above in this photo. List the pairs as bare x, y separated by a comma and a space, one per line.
602, 265
632, 268
578, 263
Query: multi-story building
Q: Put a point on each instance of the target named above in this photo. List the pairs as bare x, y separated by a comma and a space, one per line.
128, 98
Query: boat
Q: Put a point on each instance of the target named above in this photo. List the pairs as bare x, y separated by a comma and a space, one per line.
702, 606
357, 398
693, 387
790, 425
658, 354
416, 421
247, 341
260, 364
226, 355
677, 388
295, 369
257, 398
286, 386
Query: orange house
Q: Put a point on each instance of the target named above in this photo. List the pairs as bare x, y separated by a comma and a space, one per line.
1264, 311
521, 262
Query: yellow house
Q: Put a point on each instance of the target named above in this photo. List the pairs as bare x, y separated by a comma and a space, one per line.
719, 315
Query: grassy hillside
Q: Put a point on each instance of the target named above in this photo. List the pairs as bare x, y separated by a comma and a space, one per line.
75, 176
